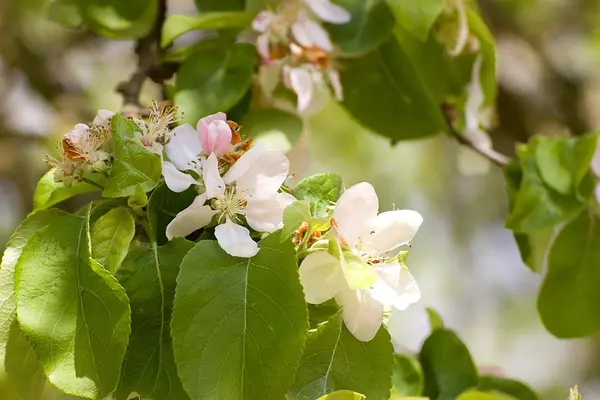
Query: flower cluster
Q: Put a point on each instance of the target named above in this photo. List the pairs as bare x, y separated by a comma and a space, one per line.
293, 43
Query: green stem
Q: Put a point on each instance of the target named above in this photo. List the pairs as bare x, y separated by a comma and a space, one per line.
91, 182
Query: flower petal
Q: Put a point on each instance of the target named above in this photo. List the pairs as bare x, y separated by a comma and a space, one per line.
321, 276
355, 211
262, 45
196, 216
266, 215
362, 314
103, 118
244, 164
235, 240
262, 21
596, 160
301, 82
395, 287
308, 33
176, 180
214, 184
336, 84
183, 147
215, 134
328, 11
392, 229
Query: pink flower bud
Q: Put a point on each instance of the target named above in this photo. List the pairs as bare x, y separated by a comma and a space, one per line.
215, 134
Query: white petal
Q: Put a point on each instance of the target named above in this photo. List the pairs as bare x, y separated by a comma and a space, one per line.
262, 21
301, 82
176, 180
336, 84
214, 184
235, 240
244, 164
183, 147
463, 30
308, 33
355, 211
196, 216
328, 11
103, 118
395, 287
596, 159
392, 229
321, 276
266, 215
262, 45
597, 192
362, 314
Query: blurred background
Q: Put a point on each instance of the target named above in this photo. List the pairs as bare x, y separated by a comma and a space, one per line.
466, 263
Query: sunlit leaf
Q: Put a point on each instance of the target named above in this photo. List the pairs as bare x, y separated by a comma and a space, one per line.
407, 379
111, 236
176, 25
511, 387
49, 192
320, 190
417, 16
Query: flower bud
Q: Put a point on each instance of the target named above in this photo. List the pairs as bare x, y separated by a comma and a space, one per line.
215, 134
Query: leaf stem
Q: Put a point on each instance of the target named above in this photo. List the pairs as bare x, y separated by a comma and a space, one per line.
91, 182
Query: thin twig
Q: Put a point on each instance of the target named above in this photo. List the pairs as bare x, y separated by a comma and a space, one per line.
497, 158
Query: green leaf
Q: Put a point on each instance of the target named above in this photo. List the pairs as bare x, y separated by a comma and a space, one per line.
343, 395
511, 387
65, 13
111, 236
320, 190
359, 274
139, 198
487, 49
22, 366
447, 366
402, 107
435, 319
48, 192
569, 300
370, 25
407, 378
238, 325
272, 127
163, 206
333, 360
319, 313
118, 19
148, 276
133, 164
177, 25
219, 5
476, 395
293, 216
214, 80
73, 312
417, 17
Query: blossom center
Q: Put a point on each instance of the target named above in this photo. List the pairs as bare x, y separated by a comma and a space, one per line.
229, 204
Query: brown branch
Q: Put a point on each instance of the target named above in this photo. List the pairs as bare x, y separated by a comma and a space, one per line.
449, 113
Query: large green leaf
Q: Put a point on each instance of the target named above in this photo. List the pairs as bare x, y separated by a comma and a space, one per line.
333, 360
477, 395
73, 312
370, 25
417, 17
275, 128
111, 236
120, 19
133, 164
511, 387
148, 276
49, 192
343, 395
163, 206
176, 25
384, 91
569, 300
447, 366
214, 80
22, 365
238, 325
320, 191
408, 377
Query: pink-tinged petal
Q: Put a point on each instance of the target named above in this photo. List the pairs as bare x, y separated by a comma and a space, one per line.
235, 240
220, 116
266, 215
597, 192
184, 147
214, 184
362, 314
596, 159
321, 277
328, 11
336, 84
308, 33
262, 45
301, 82
215, 134
265, 176
392, 229
395, 287
176, 180
262, 21
355, 211
196, 216
103, 118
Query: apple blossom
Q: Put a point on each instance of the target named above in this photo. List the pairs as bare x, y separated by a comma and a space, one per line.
362, 276
249, 189
155, 130
215, 134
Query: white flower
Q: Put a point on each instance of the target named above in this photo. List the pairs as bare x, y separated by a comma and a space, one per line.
327, 11
184, 149
103, 118
363, 281
249, 189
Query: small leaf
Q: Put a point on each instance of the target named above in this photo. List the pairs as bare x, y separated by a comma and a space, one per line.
139, 198
417, 17
148, 276
447, 366
274, 128
370, 25
239, 324
177, 25
321, 191
73, 312
487, 49
476, 395
333, 360
408, 377
133, 164
163, 206
48, 192
214, 80
111, 236
343, 395
569, 300
511, 387
116, 19
435, 319
293, 216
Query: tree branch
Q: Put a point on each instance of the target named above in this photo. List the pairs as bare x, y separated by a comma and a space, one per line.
497, 158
